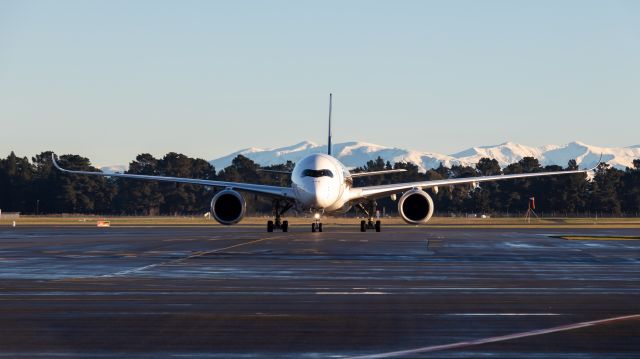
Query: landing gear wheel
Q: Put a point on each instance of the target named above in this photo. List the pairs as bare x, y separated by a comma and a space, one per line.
371, 213
313, 227
319, 227
278, 210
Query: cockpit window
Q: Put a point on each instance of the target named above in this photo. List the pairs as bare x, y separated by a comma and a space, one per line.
316, 173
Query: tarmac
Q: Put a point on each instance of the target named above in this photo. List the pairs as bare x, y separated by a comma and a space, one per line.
239, 292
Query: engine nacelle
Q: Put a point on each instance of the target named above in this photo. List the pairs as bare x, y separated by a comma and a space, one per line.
228, 207
415, 207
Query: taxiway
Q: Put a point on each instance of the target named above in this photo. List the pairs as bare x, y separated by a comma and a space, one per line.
236, 292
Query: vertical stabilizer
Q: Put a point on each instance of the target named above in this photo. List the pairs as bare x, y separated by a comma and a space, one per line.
329, 141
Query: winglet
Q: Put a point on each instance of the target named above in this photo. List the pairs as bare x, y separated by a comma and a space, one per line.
597, 164
55, 163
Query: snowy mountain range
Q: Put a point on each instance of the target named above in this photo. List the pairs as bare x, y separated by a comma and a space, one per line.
355, 154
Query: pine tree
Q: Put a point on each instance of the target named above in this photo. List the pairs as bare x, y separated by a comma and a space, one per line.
140, 197
604, 194
15, 184
630, 189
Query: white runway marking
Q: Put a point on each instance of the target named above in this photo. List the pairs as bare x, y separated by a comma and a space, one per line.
435, 348
350, 293
501, 314
173, 261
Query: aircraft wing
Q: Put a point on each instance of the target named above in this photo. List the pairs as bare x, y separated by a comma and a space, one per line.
372, 192
271, 191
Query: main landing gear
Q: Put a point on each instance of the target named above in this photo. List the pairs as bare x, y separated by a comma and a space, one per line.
369, 224
278, 210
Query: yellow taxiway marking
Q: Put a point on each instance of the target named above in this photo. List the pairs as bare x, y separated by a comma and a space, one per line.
178, 260
600, 238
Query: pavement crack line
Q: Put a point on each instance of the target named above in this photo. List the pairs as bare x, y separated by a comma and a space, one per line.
178, 260
458, 345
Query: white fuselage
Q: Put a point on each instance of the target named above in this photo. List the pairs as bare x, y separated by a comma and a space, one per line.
321, 183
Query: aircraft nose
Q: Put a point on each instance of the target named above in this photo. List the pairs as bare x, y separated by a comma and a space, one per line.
322, 194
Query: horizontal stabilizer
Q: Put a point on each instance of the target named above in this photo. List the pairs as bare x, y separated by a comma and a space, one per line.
275, 171
376, 173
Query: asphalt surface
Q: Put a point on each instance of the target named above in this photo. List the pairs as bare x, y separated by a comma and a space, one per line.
236, 292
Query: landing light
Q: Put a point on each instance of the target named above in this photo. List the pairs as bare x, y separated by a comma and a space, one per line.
316, 216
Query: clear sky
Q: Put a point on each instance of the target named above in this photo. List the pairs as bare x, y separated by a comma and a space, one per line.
111, 79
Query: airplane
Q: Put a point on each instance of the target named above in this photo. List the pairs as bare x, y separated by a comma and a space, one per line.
321, 184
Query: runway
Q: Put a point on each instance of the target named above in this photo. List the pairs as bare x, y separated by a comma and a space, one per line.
237, 292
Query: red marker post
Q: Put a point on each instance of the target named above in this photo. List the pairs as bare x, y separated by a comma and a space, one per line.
530, 210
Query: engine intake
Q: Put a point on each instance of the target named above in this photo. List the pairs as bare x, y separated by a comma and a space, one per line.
415, 206
228, 207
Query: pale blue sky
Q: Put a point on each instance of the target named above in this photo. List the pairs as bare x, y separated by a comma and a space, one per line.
111, 79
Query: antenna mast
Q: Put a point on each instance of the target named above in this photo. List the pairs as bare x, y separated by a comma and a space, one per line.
329, 141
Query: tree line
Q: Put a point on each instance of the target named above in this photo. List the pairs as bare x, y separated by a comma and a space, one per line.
35, 187
610, 191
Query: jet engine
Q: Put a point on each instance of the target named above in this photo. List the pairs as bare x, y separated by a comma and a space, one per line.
228, 207
415, 206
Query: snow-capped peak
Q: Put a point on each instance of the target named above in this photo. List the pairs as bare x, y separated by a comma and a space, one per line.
114, 169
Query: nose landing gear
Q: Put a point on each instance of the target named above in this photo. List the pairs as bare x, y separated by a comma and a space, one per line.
317, 225
370, 224
278, 224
